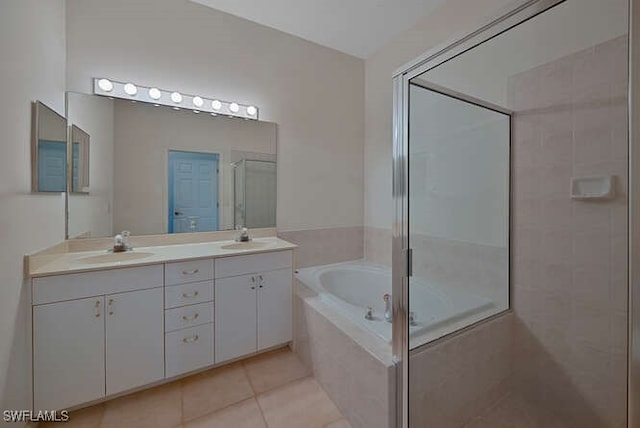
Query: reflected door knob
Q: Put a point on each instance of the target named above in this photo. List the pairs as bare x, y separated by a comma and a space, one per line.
177, 213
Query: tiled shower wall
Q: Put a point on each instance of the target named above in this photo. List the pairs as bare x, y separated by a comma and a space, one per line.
570, 256
377, 245
475, 268
325, 246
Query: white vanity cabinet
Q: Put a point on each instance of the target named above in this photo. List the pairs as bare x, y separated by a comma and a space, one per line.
64, 372
86, 348
111, 330
134, 331
253, 303
189, 309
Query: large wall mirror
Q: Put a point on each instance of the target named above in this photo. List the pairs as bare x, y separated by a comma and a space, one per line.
48, 150
155, 170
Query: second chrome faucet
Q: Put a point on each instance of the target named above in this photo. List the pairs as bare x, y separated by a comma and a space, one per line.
388, 315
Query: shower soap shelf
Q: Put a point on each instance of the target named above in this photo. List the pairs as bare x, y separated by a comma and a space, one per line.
592, 188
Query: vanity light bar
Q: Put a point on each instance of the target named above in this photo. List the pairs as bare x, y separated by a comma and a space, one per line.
152, 95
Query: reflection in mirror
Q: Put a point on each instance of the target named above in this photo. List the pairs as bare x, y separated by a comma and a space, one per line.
79, 160
156, 170
48, 150
254, 181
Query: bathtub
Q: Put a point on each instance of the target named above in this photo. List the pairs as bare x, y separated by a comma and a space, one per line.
353, 287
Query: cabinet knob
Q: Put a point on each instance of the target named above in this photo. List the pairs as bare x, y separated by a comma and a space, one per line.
191, 318
191, 339
190, 295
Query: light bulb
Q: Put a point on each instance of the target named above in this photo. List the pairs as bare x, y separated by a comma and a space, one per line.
251, 110
155, 93
176, 97
234, 107
197, 101
105, 85
216, 105
130, 89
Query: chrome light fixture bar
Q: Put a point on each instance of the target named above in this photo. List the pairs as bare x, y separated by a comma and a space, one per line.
174, 99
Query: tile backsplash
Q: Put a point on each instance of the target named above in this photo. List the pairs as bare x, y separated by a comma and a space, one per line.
325, 246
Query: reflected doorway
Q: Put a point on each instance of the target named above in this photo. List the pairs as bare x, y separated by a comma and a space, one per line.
193, 191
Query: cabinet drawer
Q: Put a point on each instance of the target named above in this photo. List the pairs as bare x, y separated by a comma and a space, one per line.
79, 285
240, 265
191, 271
188, 294
188, 316
188, 349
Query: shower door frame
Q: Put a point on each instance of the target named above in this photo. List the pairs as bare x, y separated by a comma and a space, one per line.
517, 13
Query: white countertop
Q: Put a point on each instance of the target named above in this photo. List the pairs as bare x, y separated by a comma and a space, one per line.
66, 263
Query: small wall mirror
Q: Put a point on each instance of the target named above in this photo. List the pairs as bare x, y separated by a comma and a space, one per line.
48, 150
79, 173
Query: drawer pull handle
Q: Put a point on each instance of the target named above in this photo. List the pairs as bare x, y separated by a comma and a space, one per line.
191, 318
191, 339
190, 295
190, 272
110, 306
97, 308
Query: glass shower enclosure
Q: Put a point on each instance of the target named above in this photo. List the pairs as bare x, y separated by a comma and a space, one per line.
510, 274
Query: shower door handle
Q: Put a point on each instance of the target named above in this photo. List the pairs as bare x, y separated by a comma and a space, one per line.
408, 253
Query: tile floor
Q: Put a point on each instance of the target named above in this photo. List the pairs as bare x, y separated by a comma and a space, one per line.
273, 390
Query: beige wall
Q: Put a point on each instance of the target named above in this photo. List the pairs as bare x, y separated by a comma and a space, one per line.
32, 43
314, 94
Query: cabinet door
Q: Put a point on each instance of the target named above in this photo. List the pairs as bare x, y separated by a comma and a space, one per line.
235, 315
274, 308
135, 339
68, 353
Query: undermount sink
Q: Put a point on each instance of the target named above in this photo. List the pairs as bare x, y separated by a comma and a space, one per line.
251, 245
115, 257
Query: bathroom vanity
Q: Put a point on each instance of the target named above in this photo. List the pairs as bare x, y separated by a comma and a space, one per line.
106, 323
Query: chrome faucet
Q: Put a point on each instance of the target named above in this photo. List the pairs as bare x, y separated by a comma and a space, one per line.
368, 315
120, 242
388, 316
244, 235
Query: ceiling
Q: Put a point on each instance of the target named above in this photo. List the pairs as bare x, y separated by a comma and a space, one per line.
355, 27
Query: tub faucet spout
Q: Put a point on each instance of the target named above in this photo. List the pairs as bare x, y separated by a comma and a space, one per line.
388, 316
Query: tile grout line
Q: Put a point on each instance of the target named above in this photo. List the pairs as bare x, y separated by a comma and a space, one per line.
264, 419
246, 373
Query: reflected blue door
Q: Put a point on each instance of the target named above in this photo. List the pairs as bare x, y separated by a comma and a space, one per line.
52, 166
193, 192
